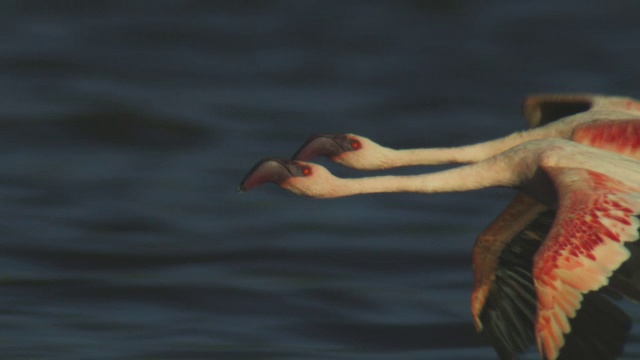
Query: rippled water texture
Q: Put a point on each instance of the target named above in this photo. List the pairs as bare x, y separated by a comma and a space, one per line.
125, 129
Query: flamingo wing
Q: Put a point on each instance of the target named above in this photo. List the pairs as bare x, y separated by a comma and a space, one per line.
541, 109
621, 136
506, 311
597, 217
504, 297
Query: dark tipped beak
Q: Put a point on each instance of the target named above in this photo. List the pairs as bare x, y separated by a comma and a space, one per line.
328, 145
267, 170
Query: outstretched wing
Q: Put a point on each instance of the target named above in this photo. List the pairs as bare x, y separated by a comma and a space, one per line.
504, 298
541, 109
506, 310
503, 302
596, 216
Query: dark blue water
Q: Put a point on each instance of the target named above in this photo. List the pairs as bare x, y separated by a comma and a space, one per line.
126, 126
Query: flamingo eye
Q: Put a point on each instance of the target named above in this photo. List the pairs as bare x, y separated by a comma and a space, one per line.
355, 144
306, 171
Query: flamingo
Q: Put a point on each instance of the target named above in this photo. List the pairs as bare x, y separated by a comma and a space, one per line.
570, 116
515, 227
587, 246
606, 122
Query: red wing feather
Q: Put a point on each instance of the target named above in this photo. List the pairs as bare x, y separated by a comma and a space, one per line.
585, 245
620, 136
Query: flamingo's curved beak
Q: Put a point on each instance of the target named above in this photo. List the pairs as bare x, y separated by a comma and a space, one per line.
328, 145
269, 170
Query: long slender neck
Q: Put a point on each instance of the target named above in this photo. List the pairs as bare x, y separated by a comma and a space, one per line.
470, 153
435, 156
493, 172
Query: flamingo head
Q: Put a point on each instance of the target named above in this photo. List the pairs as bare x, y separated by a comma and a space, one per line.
354, 151
299, 177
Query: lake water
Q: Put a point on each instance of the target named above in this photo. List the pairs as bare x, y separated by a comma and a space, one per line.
125, 128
